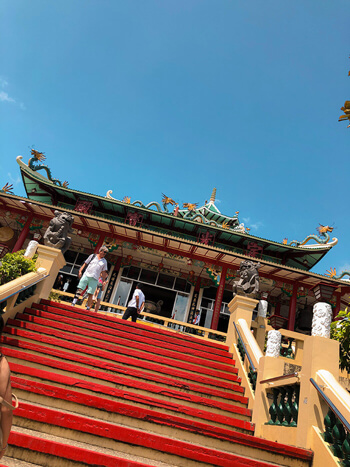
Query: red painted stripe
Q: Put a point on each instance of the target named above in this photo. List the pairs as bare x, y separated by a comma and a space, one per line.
117, 323
131, 362
121, 408
105, 365
65, 451
136, 437
128, 383
124, 395
98, 343
121, 333
144, 347
135, 327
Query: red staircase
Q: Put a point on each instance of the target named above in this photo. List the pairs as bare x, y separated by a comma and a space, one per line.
98, 391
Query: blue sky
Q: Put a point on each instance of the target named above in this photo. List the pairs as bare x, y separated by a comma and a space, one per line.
144, 97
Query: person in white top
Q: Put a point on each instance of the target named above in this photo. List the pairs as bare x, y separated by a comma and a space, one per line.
135, 305
96, 267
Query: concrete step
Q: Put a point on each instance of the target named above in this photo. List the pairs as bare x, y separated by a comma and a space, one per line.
154, 446
42, 449
107, 364
142, 329
35, 381
104, 341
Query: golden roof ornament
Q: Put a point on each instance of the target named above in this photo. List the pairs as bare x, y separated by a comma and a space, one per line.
213, 196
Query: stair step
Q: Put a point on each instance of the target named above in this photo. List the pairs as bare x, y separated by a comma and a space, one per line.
94, 321
36, 376
148, 444
126, 413
232, 395
136, 328
53, 451
97, 390
23, 328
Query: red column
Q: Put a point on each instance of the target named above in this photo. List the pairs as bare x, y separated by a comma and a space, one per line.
293, 308
99, 243
23, 235
218, 299
337, 307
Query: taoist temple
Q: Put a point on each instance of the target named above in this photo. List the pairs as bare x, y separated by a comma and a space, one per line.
187, 257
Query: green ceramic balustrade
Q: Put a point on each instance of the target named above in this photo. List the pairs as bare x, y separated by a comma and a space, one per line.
337, 437
241, 348
29, 292
287, 352
252, 375
284, 408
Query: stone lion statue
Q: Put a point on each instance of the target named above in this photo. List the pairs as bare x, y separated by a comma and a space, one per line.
248, 284
57, 232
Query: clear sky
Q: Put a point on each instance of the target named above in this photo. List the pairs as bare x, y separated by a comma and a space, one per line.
144, 97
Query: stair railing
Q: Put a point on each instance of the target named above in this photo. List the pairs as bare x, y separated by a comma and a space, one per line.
20, 292
334, 401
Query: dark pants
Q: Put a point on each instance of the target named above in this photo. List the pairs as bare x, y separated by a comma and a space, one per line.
130, 311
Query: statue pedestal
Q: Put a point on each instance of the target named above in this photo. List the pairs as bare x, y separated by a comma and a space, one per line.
52, 260
240, 307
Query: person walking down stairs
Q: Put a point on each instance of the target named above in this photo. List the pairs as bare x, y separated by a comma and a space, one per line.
96, 265
136, 304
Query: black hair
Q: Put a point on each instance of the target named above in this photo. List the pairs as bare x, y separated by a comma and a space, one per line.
139, 286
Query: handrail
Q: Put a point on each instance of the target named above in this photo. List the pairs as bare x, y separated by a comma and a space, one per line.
245, 349
21, 288
330, 404
277, 378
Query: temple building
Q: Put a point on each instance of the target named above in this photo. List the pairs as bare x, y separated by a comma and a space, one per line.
187, 258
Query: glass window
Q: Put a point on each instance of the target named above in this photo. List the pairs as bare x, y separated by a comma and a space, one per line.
134, 272
70, 256
165, 281
125, 272
180, 284
148, 276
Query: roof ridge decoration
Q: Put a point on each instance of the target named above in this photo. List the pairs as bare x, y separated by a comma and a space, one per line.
322, 239
34, 164
332, 273
192, 212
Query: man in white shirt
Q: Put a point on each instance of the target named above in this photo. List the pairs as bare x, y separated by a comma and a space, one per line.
135, 305
96, 267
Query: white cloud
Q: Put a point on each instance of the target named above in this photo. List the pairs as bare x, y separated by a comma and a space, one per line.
4, 96
14, 181
256, 226
3, 82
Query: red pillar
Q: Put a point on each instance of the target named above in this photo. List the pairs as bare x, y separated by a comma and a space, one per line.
23, 234
337, 307
218, 299
99, 243
293, 308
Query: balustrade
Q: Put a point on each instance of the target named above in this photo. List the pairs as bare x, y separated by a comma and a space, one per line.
285, 406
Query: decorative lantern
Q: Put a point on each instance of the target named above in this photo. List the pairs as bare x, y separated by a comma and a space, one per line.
278, 321
323, 292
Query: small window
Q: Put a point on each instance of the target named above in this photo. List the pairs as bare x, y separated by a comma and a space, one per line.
165, 281
134, 273
148, 276
125, 272
70, 256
